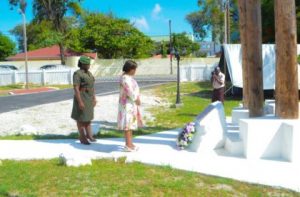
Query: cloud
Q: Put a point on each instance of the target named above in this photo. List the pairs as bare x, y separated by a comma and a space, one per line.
140, 23
156, 11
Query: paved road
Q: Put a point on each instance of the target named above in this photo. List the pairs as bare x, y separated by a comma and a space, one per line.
102, 87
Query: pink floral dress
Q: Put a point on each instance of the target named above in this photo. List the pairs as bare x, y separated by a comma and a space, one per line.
129, 117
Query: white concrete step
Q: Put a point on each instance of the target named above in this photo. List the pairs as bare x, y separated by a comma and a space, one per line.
239, 113
234, 144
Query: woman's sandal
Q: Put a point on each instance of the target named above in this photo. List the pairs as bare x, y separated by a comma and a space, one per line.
128, 149
91, 139
84, 141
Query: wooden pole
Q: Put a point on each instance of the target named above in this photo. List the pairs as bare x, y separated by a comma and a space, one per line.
286, 60
243, 35
254, 57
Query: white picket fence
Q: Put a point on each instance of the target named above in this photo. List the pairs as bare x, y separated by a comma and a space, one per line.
37, 77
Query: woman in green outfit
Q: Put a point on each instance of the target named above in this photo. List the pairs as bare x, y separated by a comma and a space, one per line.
84, 100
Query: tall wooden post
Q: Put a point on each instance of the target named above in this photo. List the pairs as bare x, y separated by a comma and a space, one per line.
254, 57
286, 60
243, 34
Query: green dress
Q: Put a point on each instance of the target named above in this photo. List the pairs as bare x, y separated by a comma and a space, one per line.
86, 81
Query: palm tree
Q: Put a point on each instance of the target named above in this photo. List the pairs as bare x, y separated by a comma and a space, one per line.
54, 11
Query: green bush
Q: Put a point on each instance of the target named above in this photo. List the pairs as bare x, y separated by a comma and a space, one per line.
298, 59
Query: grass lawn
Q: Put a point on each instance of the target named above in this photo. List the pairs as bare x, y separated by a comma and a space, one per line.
195, 98
109, 178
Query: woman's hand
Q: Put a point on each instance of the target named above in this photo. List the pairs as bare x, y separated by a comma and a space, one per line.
81, 106
94, 102
138, 101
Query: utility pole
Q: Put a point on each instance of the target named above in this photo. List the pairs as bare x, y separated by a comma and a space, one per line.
170, 47
226, 31
226, 22
178, 101
22, 9
287, 103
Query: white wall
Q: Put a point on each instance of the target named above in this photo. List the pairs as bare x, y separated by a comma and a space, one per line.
151, 66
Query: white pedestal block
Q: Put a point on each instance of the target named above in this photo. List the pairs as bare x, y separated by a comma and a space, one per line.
210, 129
269, 107
271, 138
239, 113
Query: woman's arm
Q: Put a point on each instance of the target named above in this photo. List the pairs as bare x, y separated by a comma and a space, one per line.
94, 98
78, 97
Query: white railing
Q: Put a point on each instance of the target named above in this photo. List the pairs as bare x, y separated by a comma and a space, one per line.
37, 77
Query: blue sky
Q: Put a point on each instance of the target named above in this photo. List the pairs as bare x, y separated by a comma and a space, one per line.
150, 16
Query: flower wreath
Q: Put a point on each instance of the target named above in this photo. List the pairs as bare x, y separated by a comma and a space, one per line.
185, 137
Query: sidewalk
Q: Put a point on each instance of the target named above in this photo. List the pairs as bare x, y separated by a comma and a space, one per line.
160, 149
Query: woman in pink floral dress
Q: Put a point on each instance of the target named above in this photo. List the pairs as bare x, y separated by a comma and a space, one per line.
129, 117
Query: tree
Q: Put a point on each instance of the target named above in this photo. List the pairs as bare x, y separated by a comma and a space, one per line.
268, 21
112, 37
54, 11
184, 45
7, 47
38, 35
210, 20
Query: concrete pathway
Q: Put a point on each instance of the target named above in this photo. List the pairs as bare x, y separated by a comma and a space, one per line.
160, 149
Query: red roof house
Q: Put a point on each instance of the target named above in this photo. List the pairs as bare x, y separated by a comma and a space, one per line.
48, 53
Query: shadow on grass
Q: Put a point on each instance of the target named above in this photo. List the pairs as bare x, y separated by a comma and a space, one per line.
206, 94
188, 114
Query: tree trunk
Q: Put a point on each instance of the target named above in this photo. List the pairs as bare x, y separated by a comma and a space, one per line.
243, 33
254, 57
286, 60
62, 54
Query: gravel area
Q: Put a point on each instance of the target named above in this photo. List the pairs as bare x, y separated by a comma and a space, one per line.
54, 118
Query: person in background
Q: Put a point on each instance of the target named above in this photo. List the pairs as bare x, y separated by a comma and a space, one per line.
129, 117
84, 100
218, 83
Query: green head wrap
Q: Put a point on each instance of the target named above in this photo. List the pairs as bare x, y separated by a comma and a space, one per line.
85, 60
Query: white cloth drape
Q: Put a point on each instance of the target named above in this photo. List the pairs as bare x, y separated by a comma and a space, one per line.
233, 56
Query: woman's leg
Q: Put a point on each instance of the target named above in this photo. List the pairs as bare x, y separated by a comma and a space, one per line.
128, 138
82, 137
89, 133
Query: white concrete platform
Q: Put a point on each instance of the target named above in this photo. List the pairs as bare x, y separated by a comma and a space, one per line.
271, 138
160, 149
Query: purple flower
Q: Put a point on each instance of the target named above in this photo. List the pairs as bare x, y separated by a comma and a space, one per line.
186, 135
